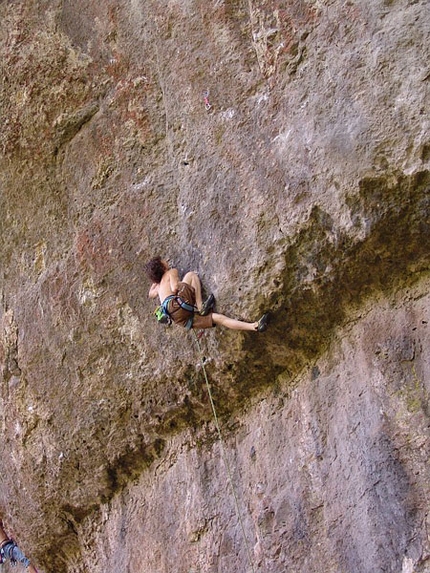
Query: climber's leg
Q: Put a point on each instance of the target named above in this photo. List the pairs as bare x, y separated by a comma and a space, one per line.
193, 279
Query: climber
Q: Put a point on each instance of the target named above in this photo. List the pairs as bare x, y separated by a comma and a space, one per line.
10, 550
181, 301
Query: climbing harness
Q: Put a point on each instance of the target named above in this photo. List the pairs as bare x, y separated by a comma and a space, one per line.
223, 454
206, 100
163, 316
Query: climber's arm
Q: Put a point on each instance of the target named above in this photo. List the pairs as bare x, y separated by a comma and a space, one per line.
174, 280
153, 291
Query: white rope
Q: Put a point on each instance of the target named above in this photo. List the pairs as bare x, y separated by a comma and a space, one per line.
224, 456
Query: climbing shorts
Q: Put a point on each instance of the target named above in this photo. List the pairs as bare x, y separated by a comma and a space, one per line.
187, 318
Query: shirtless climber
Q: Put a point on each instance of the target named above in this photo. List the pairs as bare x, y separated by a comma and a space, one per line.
182, 300
10, 550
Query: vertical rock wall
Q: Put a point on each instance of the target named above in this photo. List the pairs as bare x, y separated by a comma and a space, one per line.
303, 187
331, 476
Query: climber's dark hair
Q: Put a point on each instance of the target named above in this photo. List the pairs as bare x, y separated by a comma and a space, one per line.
155, 269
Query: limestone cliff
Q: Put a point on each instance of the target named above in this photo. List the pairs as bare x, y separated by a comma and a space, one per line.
282, 150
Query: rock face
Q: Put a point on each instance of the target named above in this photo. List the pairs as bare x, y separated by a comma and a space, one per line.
282, 150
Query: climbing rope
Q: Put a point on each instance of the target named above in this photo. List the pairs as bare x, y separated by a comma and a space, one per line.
223, 454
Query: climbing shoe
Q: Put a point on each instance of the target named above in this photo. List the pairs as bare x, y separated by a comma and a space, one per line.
263, 323
208, 305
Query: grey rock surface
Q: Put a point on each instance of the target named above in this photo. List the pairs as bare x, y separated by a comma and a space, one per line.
303, 188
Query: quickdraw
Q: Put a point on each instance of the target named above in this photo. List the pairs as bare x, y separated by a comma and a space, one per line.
206, 100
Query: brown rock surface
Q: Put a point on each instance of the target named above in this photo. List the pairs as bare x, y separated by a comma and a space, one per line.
304, 188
